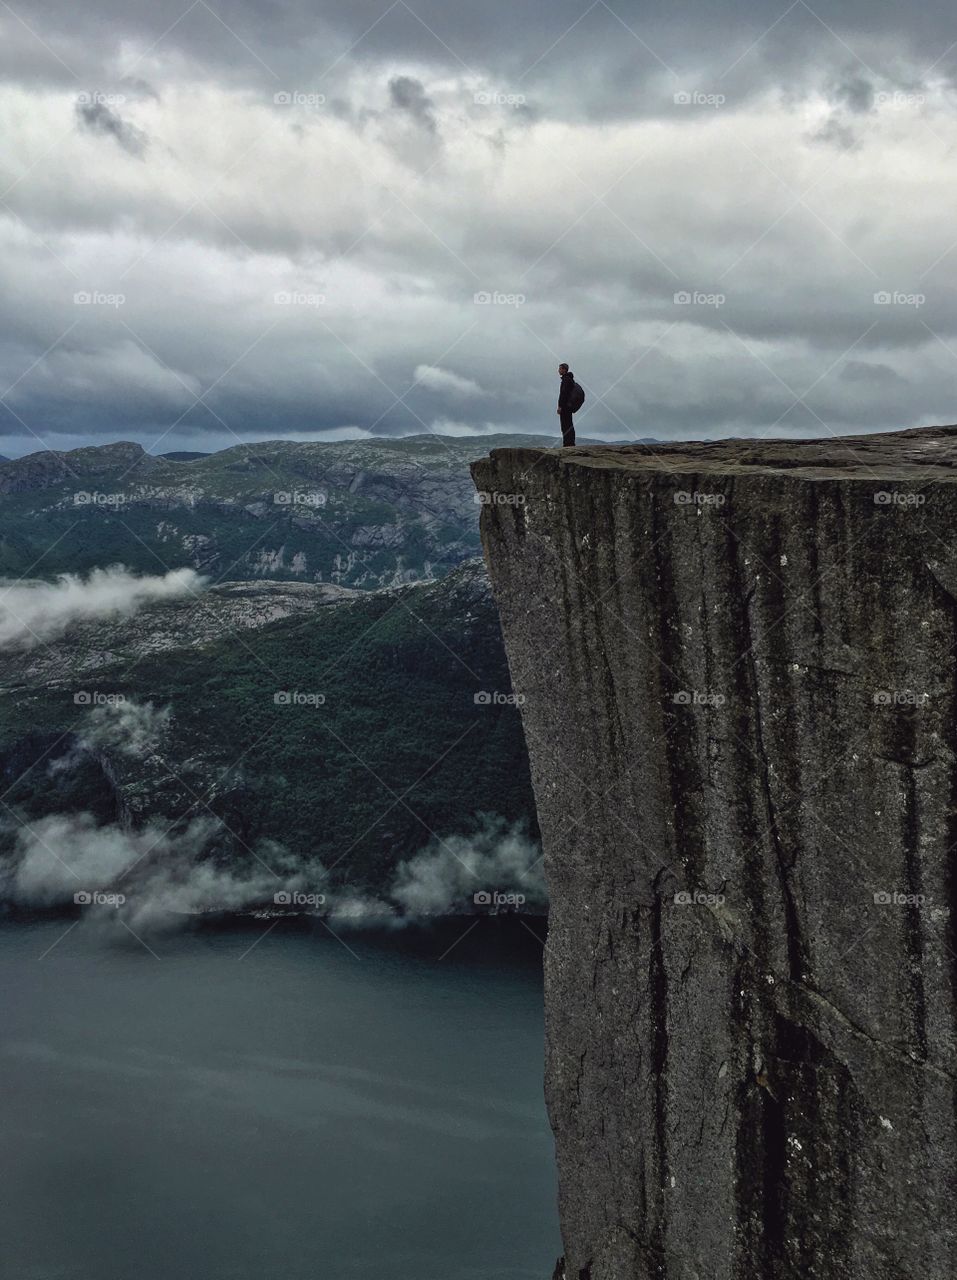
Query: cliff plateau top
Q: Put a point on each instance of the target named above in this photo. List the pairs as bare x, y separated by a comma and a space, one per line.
920, 454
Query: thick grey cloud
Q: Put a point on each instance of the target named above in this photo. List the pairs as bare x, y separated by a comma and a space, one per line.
394, 218
579, 58
99, 117
408, 94
856, 93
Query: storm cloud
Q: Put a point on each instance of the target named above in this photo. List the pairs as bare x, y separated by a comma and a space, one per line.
262, 223
408, 94
98, 117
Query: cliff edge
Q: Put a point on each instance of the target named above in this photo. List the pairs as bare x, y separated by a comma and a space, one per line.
740, 683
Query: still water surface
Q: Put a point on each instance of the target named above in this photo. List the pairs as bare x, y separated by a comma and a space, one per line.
249, 1105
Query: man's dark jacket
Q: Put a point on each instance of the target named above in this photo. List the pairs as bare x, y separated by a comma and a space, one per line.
565, 393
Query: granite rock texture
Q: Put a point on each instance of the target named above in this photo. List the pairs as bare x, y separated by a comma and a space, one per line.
738, 665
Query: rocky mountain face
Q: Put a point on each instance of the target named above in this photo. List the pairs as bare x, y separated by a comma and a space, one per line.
738, 668
361, 514
197, 620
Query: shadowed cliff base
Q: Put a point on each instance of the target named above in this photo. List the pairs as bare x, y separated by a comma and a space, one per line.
740, 689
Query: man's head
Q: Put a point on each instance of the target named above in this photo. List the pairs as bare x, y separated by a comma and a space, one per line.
562, 369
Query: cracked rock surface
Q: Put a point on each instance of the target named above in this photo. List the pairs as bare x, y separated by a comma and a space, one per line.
738, 665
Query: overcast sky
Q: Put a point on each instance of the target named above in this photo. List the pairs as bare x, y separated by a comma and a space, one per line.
261, 218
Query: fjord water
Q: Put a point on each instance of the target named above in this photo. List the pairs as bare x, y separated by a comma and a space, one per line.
245, 1104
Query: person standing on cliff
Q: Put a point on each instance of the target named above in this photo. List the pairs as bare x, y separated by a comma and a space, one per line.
566, 398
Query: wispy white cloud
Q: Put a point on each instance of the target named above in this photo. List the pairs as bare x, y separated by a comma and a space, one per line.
34, 612
428, 375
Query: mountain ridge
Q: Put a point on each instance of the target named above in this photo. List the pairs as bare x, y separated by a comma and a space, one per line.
366, 514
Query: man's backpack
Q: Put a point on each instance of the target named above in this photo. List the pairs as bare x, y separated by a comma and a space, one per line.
577, 398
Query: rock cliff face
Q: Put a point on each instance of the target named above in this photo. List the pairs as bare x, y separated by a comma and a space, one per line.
738, 661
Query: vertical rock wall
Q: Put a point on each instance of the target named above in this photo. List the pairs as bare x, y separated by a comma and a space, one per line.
738, 664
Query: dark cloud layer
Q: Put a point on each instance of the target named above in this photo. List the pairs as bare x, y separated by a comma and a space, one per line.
272, 39
255, 219
408, 94
98, 117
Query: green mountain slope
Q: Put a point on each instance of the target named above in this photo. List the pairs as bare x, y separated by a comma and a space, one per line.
342, 725
364, 514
